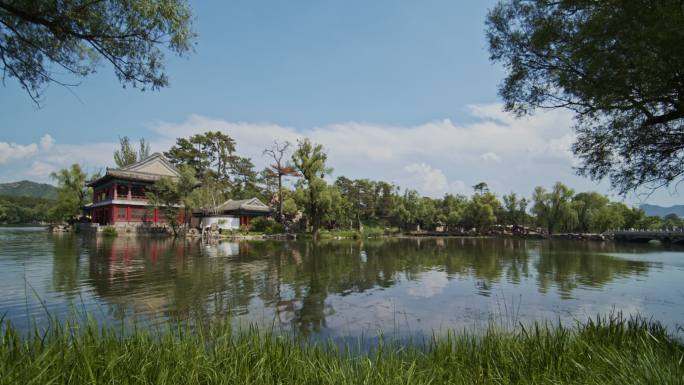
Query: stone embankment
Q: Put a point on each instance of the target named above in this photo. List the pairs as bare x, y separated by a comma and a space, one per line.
215, 233
582, 237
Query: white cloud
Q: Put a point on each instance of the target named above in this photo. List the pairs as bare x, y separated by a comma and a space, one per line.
435, 157
431, 181
441, 156
37, 160
46, 142
490, 157
428, 284
12, 151
40, 169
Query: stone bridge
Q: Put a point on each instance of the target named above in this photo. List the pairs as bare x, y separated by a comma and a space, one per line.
673, 236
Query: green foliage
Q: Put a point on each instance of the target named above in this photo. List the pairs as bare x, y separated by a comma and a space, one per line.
365, 201
672, 221
42, 40
290, 207
23, 210
353, 208
588, 206
554, 209
274, 228
110, 231
212, 156
259, 224
479, 214
310, 160
452, 209
126, 155
515, 209
373, 232
168, 194
609, 217
209, 195
616, 64
606, 351
72, 194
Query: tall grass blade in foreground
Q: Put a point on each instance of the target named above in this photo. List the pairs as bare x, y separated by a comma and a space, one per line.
610, 350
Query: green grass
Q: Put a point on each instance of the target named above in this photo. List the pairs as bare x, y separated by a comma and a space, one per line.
110, 231
368, 232
607, 351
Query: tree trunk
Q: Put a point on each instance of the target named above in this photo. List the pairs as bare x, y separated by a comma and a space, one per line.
315, 228
280, 197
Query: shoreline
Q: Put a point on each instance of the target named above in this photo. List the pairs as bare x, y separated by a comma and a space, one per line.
341, 235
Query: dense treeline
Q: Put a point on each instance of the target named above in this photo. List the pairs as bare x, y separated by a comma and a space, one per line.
24, 210
212, 172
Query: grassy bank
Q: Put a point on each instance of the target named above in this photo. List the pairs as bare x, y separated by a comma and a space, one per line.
368, 232
609, 351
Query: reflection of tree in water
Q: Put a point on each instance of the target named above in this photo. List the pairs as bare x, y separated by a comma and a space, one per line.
582, 264
158, 276
66, 259
197, 281
311, 315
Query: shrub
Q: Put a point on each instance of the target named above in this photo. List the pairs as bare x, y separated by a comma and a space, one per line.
244, 229
259, 224
275, 228
110, 231
373, 232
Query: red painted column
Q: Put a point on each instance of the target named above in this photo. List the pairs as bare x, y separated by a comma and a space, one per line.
128, 214
156, 216
113, 214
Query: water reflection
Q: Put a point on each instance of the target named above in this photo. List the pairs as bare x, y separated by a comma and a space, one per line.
66, 264
348, 287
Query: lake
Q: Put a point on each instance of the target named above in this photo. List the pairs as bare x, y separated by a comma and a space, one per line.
404, 287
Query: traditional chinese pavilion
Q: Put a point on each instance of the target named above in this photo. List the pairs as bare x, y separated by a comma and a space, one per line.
119, 195
231, 215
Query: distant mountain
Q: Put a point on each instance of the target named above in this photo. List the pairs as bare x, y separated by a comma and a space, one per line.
660, 211
26, 188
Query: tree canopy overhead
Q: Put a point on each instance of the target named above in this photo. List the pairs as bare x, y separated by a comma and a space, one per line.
41, 39
619, 65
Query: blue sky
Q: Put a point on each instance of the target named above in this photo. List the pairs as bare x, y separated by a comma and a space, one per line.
396, 90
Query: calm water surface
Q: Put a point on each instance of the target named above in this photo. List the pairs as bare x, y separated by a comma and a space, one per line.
337, 289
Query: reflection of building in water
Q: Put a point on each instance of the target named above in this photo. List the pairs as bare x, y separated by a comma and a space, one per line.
301, 284
178, 279
222, 249
123, 256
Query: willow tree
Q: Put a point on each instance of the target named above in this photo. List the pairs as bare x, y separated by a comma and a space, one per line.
554, 209
309, 159
72, 193
618, 65
45, 41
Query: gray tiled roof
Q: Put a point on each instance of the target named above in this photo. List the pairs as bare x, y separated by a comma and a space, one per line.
253, 204
128, 173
